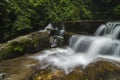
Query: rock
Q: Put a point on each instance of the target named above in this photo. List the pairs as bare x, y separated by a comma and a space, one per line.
47, 74
17, 68
39, 78
30, 43
100, 70
2, 76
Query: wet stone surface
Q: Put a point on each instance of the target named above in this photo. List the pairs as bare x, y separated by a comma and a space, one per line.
21, 68
26, 68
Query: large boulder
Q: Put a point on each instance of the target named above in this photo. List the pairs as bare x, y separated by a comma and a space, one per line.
30, 43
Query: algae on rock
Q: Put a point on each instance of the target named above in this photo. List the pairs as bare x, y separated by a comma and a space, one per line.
30, 43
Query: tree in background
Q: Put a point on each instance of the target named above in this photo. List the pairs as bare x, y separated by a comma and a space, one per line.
18, 17
6, 21
116, 12
63, 10
104, 9
23, 11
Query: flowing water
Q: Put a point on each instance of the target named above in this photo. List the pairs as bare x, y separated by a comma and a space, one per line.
83, 50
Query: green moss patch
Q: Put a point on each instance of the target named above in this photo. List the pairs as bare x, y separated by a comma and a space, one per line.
30, 43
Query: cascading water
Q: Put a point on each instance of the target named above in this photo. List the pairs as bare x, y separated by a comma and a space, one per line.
83, 50
110, 29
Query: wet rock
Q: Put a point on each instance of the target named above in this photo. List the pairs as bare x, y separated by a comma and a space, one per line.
24, 68
47, 74
2, 76
30, 43
18, 68
100, 70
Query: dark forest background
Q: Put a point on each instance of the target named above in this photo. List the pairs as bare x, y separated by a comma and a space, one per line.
19, 17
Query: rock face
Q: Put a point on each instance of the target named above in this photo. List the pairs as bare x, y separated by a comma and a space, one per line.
30, 43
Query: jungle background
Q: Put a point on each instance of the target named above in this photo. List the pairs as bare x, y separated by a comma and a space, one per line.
19, 17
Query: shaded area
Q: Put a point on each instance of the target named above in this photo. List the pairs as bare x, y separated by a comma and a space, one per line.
17, 69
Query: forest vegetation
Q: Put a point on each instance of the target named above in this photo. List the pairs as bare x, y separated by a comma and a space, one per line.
19, 17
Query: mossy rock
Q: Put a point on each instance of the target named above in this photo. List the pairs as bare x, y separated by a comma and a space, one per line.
30, 43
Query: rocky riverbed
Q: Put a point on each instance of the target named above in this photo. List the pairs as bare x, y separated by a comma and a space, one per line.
26, 68
17, 69
97, 71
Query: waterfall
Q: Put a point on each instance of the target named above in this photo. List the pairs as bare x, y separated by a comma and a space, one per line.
62, 31
101, 30
116, 32
110, 29
83, 50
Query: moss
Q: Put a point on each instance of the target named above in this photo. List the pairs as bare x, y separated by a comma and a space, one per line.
30, 43
13, 49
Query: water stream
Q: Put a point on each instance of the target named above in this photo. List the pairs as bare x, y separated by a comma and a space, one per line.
83, 50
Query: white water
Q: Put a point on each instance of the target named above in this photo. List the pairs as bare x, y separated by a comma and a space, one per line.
47, 28
100, 30
110, 29
62, 31
83, 50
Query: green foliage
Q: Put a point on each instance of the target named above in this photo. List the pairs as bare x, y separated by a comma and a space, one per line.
23, 11
5, 22
19, 17
104, 9
117, 12
63, 10
22, 23
117, 9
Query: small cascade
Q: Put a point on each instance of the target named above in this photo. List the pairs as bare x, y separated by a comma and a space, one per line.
83, 50
116, 33
110, 29
62, 31
80, 43
101, 30
117, 51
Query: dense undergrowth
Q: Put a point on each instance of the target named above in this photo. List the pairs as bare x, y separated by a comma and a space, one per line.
25, 16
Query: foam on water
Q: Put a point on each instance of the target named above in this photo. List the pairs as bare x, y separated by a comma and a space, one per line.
82, 50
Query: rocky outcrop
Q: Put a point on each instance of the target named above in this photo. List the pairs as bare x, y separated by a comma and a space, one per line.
30, 43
